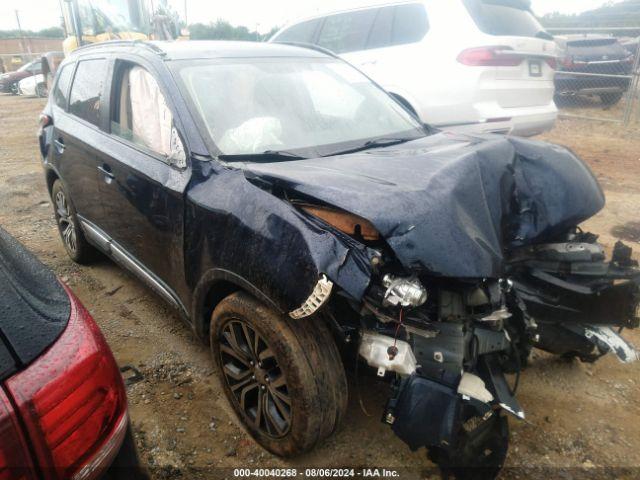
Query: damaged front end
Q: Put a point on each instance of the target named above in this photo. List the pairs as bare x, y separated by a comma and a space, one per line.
471, 254
453, 349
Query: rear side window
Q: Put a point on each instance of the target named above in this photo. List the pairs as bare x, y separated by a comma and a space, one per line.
347, 32
86, 91
301, 33
398, 25
410, 24
61, 90
380, 35
505, 18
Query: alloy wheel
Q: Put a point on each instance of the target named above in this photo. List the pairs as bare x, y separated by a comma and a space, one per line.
255, 378
65, 222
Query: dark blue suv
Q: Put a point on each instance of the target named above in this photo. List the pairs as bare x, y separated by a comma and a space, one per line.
294, 212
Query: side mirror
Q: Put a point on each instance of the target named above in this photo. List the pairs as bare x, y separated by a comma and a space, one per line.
178, 156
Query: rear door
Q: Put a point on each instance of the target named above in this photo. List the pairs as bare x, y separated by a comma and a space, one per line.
527, 80
141, 187
77, 135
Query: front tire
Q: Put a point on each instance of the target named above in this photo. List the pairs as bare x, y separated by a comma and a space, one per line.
283, 377
69, 228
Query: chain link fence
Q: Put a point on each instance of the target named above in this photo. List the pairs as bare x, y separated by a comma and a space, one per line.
597, 74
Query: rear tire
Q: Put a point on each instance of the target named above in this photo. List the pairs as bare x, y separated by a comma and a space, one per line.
611, 99
73, 238
283, 377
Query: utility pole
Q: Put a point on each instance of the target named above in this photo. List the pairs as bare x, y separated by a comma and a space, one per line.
62, 21
186, 21
25, 45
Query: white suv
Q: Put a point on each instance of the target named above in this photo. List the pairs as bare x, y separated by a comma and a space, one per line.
473, 65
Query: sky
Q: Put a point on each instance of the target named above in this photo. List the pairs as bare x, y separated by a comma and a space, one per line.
263, 14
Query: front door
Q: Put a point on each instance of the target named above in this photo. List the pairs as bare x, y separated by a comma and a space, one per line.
141, 187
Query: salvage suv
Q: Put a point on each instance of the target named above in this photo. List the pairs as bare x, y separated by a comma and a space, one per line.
292, 211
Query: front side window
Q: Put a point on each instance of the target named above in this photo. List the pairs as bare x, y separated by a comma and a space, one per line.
311, 105
142, 115
60, 92
86, 92
346, 32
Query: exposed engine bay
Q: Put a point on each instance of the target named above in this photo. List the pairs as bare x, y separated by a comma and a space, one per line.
450, 343
446, 345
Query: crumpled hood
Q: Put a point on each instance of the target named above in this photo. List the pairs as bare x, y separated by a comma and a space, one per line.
450, 204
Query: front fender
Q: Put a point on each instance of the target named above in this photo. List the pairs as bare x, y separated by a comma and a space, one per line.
235, 226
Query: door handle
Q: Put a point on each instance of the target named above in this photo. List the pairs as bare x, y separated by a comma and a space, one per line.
60, 146
106, 171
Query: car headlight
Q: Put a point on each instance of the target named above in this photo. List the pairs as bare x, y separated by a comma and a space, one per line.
404, 292
348, 223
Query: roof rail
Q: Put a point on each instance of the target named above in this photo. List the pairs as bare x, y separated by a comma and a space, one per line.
309, 46
123, 43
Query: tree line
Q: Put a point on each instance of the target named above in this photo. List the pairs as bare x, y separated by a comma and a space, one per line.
51, 32
610, 14
218, 30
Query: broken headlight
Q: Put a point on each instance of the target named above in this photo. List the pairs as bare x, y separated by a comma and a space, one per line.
348, 223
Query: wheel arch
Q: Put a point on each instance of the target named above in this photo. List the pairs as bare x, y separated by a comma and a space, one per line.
214, 286
51, 176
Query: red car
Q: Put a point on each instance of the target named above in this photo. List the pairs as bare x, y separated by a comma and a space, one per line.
63, 405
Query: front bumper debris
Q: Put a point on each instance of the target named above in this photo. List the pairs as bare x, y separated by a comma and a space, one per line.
606, 339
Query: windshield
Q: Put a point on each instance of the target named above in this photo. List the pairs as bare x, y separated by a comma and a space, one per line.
312, 106
26, 67
112, 16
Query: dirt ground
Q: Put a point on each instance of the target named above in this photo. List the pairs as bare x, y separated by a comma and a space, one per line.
583, 421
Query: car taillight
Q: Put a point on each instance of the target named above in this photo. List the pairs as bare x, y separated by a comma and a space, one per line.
490, 57
73, 402
553, 63
15, 463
